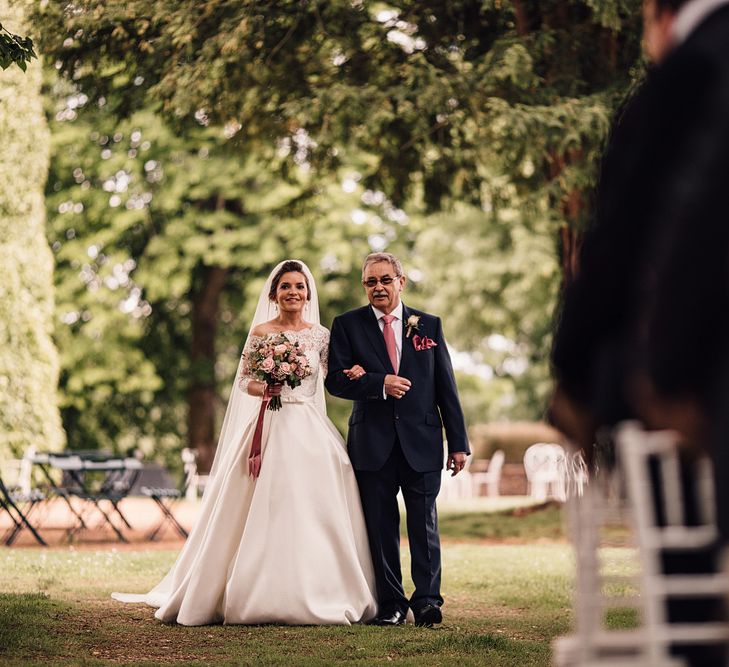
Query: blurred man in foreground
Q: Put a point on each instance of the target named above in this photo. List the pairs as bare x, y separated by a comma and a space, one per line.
642, 328
643, 332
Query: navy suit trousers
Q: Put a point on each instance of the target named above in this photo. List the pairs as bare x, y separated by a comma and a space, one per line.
378, 490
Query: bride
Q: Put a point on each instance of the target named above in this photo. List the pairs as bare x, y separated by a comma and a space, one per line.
289, 546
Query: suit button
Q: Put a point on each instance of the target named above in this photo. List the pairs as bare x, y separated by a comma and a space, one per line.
397, 416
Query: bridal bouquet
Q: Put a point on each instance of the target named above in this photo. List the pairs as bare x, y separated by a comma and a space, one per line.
276, 360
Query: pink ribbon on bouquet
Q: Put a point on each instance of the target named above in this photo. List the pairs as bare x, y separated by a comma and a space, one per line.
255, 458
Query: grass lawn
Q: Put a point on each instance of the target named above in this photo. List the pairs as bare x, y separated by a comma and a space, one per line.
472, 522
507, 575
504, 605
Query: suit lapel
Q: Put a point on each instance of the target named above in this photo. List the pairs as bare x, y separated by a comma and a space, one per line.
407, 343
372, 329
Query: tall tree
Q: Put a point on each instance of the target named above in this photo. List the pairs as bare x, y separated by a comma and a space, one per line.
28, 358
493, 105
431, 90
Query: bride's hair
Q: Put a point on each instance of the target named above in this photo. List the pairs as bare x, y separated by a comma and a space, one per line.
288, 267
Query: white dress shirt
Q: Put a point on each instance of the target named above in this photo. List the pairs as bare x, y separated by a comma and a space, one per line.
691, 15
396, 325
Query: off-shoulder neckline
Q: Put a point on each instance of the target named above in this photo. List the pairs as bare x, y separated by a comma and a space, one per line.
313, 327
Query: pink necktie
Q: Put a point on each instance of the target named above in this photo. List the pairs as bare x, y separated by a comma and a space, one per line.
389, 335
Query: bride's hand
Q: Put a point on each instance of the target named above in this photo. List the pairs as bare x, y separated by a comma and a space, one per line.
273, 390
355, 372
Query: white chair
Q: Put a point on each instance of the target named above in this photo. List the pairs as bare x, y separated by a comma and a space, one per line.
456, 487
593, 643
194, 482
576, 474
491, 477
674, 512
545, 468
659, 492
20, 471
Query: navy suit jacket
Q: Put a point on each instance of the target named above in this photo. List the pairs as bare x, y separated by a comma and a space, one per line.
417, 419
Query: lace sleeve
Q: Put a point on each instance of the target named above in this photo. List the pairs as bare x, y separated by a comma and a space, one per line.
324, 352
244, 379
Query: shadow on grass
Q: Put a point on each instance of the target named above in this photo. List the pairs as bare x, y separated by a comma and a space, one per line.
35, 629
27, 621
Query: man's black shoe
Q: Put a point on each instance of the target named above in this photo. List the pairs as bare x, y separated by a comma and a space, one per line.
396, 617
428, 616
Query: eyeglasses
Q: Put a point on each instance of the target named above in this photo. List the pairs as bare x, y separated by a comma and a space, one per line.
372, 282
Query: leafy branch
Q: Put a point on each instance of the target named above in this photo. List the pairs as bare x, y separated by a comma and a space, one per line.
15, 49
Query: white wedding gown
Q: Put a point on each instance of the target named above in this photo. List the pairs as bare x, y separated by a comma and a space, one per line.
290, 547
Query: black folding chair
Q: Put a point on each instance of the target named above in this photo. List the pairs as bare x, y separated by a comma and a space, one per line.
45, 461
119, 478
162, 490
11, 502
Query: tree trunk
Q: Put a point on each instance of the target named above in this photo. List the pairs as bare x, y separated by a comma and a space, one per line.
570, 242
201, 396
572, 206
522, 18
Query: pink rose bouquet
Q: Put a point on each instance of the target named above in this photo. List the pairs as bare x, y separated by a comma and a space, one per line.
276, 360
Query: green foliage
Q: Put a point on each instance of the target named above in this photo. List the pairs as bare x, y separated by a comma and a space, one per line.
432, 91
494, 280
137, 212
28, 358
15, 50
25, 626
544, 522
482, 121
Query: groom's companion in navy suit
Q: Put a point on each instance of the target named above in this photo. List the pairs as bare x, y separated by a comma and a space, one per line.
392, 361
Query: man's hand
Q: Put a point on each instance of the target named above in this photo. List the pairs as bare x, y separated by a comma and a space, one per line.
572, 419
396, 386
456, 462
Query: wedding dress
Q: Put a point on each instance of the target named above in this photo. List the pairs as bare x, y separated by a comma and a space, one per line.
288, 547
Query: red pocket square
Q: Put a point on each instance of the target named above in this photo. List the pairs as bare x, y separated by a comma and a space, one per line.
423, 343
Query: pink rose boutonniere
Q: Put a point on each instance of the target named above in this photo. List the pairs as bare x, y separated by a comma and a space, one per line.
423, 343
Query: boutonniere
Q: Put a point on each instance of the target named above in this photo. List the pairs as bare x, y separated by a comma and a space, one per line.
413, 324
423, 343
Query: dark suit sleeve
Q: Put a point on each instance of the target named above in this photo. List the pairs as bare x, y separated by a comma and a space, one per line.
341, 356
446, 394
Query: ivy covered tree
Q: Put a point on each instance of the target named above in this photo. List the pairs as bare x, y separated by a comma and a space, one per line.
28, 358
